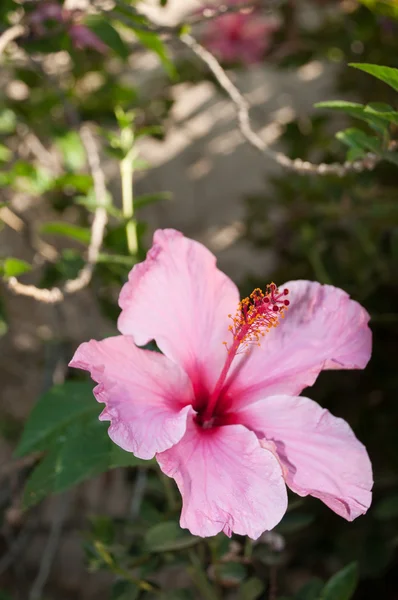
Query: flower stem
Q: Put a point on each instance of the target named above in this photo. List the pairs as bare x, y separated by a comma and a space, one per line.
127, 174
143, 585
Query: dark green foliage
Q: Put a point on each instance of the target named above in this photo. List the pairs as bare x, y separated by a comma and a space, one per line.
341, 231
64, 426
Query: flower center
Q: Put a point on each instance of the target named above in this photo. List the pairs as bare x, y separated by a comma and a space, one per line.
255, 316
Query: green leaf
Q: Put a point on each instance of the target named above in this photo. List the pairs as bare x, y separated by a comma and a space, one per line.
81, 234
359, 111
382, 111
351, 108
90, 202
200, 578
357, 139
342, 585
31, 179
65, 425
5, 153
251, 589
310, 590
385, 7
391, 157
40, 482
387, 508
107, 33
386, 74
231, 574
12, 267
124, 590
75, 181
55, 410
103, 529
355, 154
8, 121
168, 536
154, 43
125, 120
151, 130
72, 150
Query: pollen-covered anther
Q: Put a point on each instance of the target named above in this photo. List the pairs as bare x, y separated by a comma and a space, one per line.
257, 314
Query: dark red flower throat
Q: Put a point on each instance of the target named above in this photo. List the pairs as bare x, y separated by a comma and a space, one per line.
255, 316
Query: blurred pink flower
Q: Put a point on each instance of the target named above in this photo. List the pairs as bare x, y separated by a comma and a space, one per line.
45, 11
81, 36
241, 37
220, 408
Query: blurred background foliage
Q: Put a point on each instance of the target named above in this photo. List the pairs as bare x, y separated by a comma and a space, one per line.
70, 67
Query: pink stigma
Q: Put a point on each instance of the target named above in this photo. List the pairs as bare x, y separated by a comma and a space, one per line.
255, 316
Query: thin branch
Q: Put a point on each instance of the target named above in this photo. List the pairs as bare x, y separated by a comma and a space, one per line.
9, 468
11, 219
242, 109
50, 549
20, 225
100, 216
38, 150
9, 35
21, 542
57, 294
213, 12
208, 13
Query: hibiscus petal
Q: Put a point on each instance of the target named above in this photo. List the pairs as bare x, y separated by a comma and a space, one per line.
227, 481
178, 297
322, 329
320, 453
147, 396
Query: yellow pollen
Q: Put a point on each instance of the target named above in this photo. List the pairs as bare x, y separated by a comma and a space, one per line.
256, 315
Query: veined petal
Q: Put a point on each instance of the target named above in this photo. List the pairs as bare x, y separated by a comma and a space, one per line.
147, 396
178, 297
228, 482
322, 329
320, 453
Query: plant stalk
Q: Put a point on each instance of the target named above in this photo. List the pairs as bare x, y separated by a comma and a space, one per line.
127, 175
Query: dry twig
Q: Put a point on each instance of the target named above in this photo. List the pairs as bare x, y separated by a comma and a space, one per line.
9, 35
11, 467
57, 294
50, 549
242, 109
213, 12
17, 547
208, 13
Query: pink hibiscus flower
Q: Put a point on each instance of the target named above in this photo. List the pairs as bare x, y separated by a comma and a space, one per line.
240, 37
220, 409
82, 37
